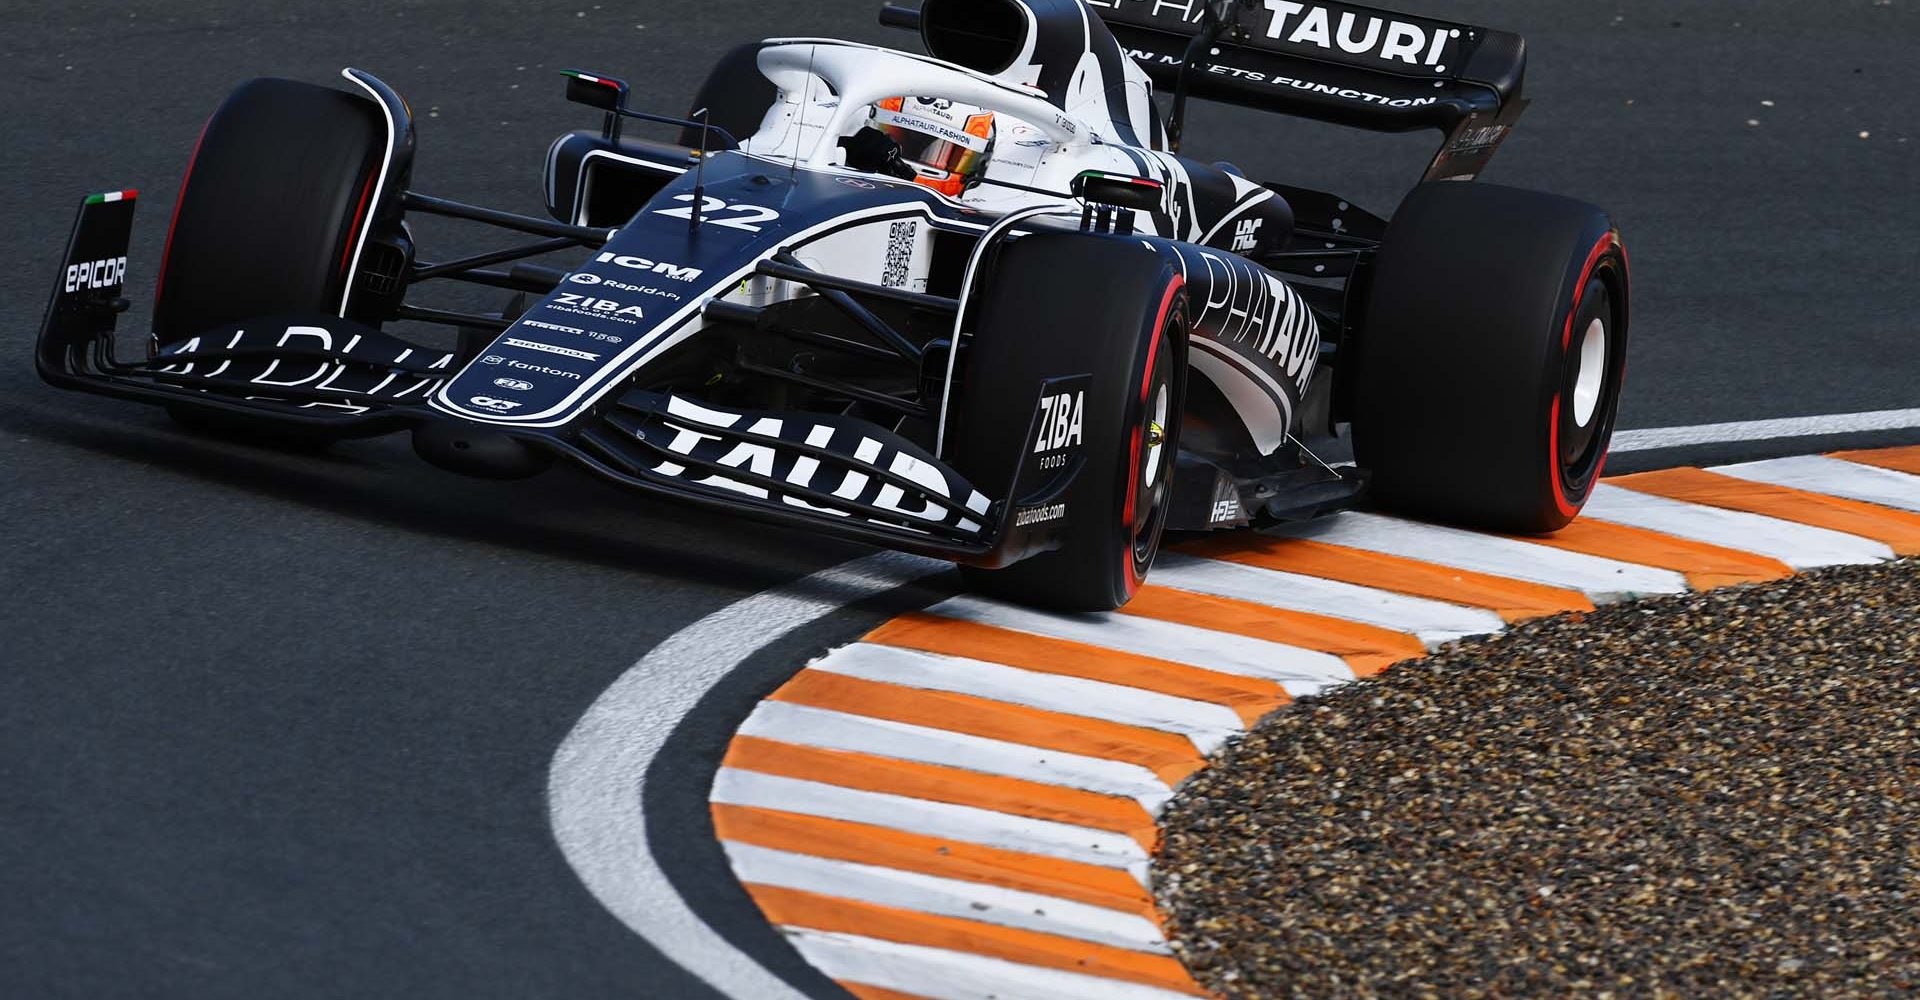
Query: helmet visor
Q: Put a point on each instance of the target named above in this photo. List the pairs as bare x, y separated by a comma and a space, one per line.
932, 152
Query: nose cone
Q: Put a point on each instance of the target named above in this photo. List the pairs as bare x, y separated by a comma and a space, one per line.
477, 450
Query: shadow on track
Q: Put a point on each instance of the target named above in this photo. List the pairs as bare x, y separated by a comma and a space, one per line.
380, 480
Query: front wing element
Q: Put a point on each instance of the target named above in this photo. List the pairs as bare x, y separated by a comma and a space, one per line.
825, 472
295, 370
825, 464
859, 480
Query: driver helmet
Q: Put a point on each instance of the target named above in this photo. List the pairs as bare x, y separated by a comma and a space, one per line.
947, 144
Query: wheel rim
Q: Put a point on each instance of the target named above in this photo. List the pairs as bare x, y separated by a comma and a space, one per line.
1590, 372
1153, 451
1589, 388
1156, 434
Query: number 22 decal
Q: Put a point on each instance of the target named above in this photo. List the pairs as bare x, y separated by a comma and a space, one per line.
747, 217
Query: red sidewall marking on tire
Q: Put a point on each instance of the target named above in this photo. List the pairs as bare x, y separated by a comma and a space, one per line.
1626, 282
1555, 472
1134, 450
359, 212
179, 199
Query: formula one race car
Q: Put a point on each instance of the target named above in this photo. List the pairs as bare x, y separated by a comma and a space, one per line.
972, 304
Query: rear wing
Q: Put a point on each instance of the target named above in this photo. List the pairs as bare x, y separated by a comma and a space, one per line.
1336, 62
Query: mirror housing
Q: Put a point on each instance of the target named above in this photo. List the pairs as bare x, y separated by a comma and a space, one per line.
607, 93
1097, 187
604, 92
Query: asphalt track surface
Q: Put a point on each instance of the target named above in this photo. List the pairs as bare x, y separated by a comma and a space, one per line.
278, 725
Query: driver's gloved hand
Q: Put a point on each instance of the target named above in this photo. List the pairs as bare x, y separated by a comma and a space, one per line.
875, 152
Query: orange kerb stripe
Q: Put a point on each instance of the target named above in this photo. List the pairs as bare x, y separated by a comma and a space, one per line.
1898, 529
1898, 459
936, 783
1368, 649
864, 844
864, 992
813, 911
1513, 600
1168, 755
1249, 697
1706, 566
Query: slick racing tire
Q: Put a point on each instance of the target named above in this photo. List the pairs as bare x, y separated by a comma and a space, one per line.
1065, 304
1491, 357
735, 95
270, 209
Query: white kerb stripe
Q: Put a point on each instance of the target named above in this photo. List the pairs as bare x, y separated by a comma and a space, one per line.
831, 730
940, 974
1207, 724
1820, 474
938, 819
1763, 430
1603, 580
1801, 546
1300, 671
1432, 622
946, 897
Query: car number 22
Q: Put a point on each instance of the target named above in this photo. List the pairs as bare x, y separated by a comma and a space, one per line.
715, 211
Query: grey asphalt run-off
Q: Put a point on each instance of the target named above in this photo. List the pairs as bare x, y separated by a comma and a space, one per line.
281, 724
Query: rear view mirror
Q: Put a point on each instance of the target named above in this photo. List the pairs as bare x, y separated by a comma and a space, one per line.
1118, 190
603, 92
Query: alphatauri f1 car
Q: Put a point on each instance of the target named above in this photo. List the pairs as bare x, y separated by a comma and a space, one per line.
972, 304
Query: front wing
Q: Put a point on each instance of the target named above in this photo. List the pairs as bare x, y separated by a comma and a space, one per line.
835, 474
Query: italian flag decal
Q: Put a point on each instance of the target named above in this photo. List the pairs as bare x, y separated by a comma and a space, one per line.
112, 196
584, 78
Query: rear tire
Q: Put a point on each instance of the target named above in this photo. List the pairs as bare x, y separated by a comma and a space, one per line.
1065, 304
269, 212
1491, 357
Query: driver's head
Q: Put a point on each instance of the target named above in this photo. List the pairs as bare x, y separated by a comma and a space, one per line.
948, 145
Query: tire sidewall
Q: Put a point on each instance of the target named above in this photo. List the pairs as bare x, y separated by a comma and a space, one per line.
1605, 260
1161, 337
1061, 304
1462, 350
271, 206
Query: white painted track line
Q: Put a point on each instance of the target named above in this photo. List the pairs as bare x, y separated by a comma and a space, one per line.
1208, 725
1834, 476
1432, 622
939, 974
597, 782
1300, 671
945, 897
938, 819
1763, 430
1798, 545
831, 730
1603, 580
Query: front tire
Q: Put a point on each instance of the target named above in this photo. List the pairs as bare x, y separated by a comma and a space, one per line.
1065, 304
1491, 357
270, 210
